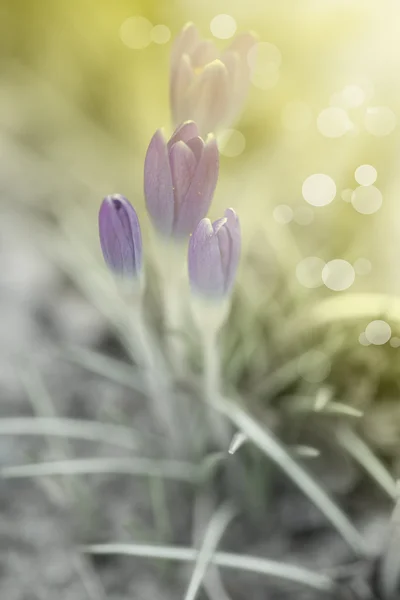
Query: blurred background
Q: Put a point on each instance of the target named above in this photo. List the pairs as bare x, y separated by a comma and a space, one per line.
312, 344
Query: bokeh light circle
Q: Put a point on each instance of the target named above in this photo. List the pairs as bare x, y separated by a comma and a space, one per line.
366, 199
378, 332
319, 189
380, 120
333, 122
338, 275
362, 338
309, 271
395, 342
365, 174
135, 32
231, 143
352, 96
362, 266
283, 214
314, 366
223, 26
160, 34
264, 60
346, 194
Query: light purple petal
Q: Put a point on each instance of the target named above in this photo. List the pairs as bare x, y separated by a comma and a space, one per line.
204, 261
158, 187
197, 201
183, 166
196, 145
120, 236
233, 250
183, 133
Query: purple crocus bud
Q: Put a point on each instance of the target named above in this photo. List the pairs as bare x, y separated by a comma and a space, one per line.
179, 179
207, 85
120, 237
214, 252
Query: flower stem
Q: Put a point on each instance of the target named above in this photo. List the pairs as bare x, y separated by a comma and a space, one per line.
212, 385
150, 359
173, 318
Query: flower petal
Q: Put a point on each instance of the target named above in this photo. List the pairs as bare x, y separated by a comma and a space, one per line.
196, 145
242, 44
230, 253
185, 43
204, 52
158, 186
208, 97
182, 78
183, 167
198, 198
184, 132
204, 261
120, 236
236, 62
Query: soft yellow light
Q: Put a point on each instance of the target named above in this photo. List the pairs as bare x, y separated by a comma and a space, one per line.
333, 122
367, 199
265, 78
309, 271
296, 116
223, 27
135, 32
365, 174
380, 120
264, 53
319, 189
231, 143
362, 266
160, 34
378, 332
362, 338
304, 215
338, 275
283, 214
346, 194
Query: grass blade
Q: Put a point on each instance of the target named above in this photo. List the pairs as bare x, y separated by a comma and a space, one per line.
271, 447
226, 560
169, 469
70, 428
212, 536
360, 452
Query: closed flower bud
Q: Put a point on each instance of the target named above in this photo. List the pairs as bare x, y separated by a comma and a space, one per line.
179, 179
120, 237
205, 85
214, 252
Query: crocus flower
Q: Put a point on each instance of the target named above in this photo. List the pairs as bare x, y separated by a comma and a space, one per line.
179, 179
120, 237
214, 252
205, 85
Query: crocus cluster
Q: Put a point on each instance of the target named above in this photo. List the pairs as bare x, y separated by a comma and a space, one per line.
206, 85
180, 175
